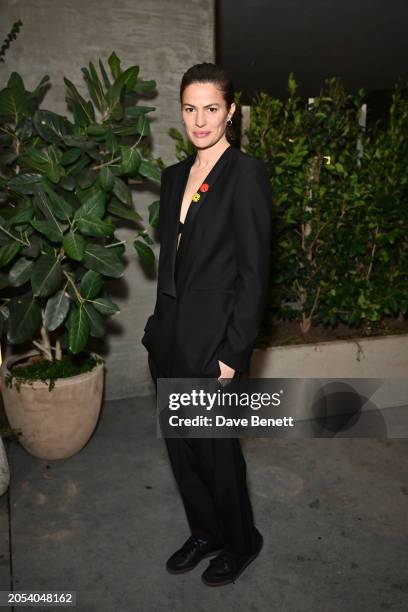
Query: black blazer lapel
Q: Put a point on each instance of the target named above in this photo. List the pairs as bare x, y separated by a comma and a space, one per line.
176, 193
194, 210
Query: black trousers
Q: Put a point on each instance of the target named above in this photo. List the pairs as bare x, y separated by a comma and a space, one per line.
211, 477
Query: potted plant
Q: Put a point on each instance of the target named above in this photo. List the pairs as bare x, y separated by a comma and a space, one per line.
5, 431
64, 187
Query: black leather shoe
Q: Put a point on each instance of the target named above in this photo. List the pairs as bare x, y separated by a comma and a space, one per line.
227, 566
190, 554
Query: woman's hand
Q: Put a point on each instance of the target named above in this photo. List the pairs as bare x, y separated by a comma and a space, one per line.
226, 371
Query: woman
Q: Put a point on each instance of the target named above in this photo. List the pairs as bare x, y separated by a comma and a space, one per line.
215, 227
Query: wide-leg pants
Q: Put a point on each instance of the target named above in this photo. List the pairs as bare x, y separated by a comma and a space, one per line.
211, 477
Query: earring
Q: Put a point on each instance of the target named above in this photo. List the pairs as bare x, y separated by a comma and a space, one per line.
229, 122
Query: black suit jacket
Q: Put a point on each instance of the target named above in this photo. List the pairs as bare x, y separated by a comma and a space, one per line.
213, 309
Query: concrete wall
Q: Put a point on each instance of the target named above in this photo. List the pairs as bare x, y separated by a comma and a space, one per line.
164, 39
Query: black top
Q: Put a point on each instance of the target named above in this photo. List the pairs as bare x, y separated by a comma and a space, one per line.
181, 225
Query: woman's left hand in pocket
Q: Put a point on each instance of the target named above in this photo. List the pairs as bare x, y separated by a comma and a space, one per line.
226, 370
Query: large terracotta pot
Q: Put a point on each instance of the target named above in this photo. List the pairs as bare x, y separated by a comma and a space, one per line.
54, 424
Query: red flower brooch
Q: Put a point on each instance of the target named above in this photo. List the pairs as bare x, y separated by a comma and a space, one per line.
204, 187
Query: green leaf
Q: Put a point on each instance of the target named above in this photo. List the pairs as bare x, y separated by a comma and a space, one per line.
74, 245
13, 103
79, 328
52, 127
91, 225
96, 129
36, 158
91, 284
41, 88
113, 98
154, 213
20, 272
97, 324
105, 306
15, 80
34, 249
68, 183
86, 178
49, 229
130, 160
95, 87
24, 320
106, 178
143, 126
77, 166
150, 171
60, 207
131, 128
111, 141
83, 110
70, 156
25, 183
135, 111
94, 205
103, 260
145, 253
80, 141
105, 77
8, 251
144, 86
46, 275
129, 77
56, 310
45, 161
43, 202
119, 210
122, 192
114, 63
23, 212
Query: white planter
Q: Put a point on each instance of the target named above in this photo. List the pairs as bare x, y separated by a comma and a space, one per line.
54, 424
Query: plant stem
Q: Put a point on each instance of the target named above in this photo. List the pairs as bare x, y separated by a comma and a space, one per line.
42, 349
7, 132
370, 267
108, 246
3, 229
79, 296
58, 349
119, 158
46, 342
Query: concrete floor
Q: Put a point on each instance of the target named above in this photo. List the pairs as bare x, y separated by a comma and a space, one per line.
333, 514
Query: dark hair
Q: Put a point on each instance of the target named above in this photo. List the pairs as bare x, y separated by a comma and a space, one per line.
211, 73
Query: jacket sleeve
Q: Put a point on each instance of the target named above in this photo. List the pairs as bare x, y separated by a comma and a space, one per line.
162, 198
252, 226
